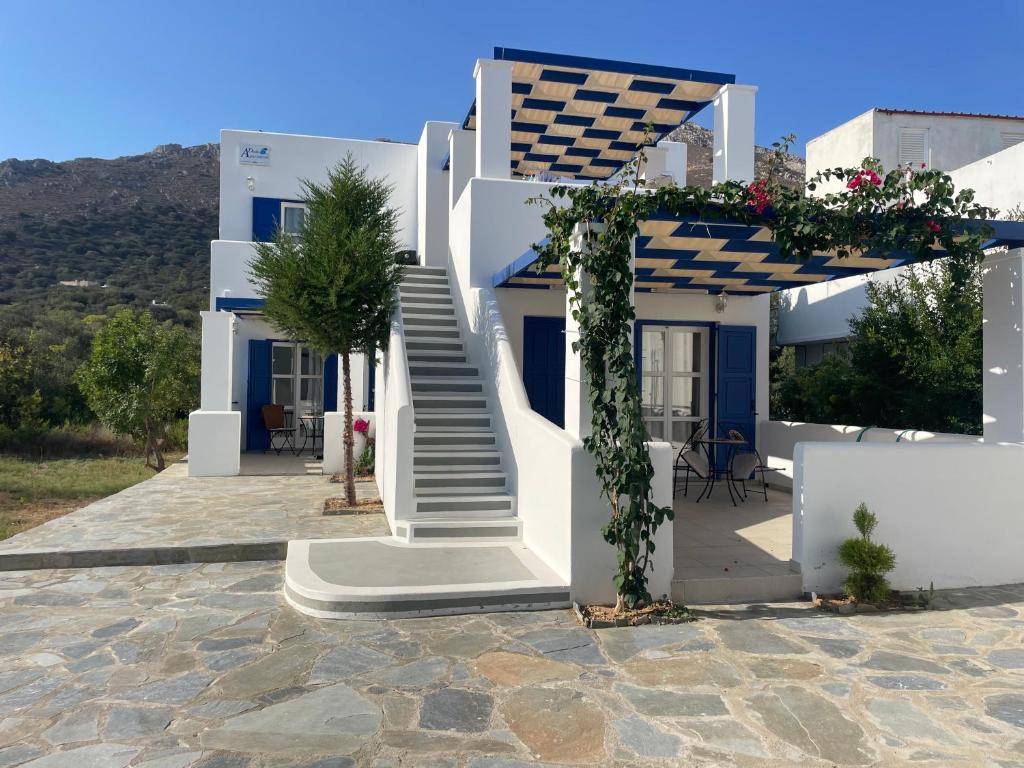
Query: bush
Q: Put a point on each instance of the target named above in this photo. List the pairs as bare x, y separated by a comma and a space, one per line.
365, 463
868, 562
176, 436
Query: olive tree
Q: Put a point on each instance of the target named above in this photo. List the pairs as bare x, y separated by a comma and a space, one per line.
333, 286
139, 376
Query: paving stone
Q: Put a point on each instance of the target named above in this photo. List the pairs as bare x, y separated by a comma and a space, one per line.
558, 725
828, 626
646, 740
415, 674
784, 669
434, 742
994, 612
136, 722
622, 643
274, 670
1007, 658
658, 702
516, 669
113, 630
175, 690
222, 662
268, 582
18, 754
907, 682
91, 756
454, 709
81, 725
908, 722
573, 645
725, 735
683, 672
328, 762
1008, 707
752, 637
221, 708
888, 661
332, 719
346, 661
952, 650
836, 648
836, 689
812, 724
464, 645
214, 644
224, 760
943, 635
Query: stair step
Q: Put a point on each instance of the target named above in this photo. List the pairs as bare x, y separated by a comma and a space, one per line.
433, 345
427, 461
489, 505
748, 589
426, 308
447, 421
420, 269
406, 290
434, 356
432, 320
459, 401
459, 483
425, 368
445, 530
418, 279
425, 440
431, 332
447, 385
424, 298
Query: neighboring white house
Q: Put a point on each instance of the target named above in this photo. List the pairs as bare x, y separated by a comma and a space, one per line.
479, 403
982, 152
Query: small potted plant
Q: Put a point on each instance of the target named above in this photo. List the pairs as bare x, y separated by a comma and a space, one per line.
361, 430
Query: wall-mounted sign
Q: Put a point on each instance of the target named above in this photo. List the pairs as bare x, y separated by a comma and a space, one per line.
253, 154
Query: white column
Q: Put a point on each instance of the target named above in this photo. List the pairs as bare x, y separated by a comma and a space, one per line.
734, 134
461, 163
432, 195
218, 347
1003, 347
675, 160
493, 118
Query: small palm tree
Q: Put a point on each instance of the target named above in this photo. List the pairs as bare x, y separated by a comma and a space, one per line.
334, 285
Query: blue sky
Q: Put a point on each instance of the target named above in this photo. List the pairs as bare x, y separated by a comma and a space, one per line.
104, 79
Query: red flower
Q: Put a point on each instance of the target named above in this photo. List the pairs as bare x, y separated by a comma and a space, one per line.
933, 226
759, 198
864, 175
361, 425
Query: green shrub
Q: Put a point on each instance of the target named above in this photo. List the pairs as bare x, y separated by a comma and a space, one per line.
365, 463
176, 436
868, 562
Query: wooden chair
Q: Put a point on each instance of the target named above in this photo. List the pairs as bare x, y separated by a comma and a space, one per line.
274, 422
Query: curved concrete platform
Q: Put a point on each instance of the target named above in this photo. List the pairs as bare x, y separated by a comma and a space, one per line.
383, 577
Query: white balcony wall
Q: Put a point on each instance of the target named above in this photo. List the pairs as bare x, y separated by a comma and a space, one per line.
293, 158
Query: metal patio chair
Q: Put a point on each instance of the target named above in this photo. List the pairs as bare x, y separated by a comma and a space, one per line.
747, 465
274, 422
690, 460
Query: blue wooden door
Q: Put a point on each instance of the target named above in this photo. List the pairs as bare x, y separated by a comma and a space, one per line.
331, 383
736, 385
257, 394
544, 366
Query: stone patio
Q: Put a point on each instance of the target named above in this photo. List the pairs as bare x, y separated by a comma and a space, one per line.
173, 518
204, 665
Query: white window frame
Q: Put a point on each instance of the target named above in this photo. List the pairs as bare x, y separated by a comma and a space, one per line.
284, 207
668, 376
297, 376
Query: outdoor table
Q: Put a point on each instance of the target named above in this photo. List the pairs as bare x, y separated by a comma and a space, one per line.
710, 448
313, 428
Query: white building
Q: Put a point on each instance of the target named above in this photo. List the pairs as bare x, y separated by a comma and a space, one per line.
982, 152
478, 405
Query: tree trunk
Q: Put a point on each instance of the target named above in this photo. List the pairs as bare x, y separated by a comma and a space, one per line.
348, 436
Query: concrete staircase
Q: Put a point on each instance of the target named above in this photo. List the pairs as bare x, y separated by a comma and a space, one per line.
461, 490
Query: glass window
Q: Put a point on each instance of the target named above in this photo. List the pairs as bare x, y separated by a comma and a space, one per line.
312, 365
685, 396
312, 391
292, 217
655, 429
652, 396
681, 430
654, 350
284, 392
283, 354
686, 352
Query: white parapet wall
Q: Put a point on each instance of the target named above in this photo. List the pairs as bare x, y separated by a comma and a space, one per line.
213, 443
334, 432
950, 511
394, 421
777, 441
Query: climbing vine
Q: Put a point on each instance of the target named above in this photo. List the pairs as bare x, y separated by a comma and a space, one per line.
855, 211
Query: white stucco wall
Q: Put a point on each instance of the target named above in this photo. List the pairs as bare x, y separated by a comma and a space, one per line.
432, 194
293, 158
942, 507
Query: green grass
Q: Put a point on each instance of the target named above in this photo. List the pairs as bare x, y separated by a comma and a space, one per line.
32, 492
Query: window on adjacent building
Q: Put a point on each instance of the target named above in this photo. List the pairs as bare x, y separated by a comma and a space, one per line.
913, 147
292, 215
1011, 139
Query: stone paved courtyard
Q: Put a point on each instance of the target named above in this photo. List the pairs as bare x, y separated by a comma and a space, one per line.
204, 665
172, 510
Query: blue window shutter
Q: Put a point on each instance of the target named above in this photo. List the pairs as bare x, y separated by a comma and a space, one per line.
371, 397
257, 394
265, 214
737, 383
331, 383
544, 366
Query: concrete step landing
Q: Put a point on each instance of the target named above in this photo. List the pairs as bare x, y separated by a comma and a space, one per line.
784, 587
376, 578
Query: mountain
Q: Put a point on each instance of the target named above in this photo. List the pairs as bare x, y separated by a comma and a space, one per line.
136, 230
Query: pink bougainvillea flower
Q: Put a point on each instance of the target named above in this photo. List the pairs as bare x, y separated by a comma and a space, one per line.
361, 425
933, 226
864, 175
758, 196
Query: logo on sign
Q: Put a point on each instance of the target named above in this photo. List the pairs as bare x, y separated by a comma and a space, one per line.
253, 154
